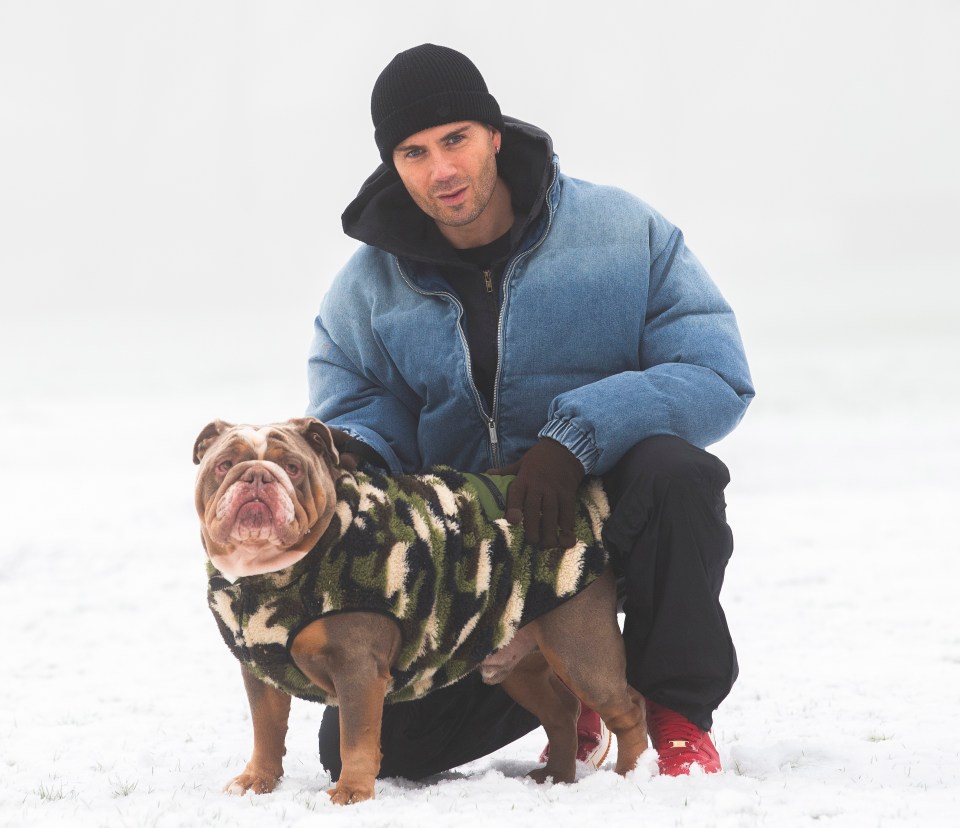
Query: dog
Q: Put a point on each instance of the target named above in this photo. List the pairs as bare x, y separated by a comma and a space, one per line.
360, 589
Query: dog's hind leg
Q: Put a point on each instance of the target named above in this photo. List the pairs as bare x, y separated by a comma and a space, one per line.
532, 684
496, 666
581, 641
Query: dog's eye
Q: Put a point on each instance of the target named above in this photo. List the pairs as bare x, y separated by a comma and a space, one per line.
291, 468
224, 466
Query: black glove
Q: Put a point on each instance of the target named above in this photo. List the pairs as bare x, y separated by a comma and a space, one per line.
353, 451
544, 495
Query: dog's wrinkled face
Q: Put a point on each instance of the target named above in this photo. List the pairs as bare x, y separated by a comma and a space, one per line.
265, 494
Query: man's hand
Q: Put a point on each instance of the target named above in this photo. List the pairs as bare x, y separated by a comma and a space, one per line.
353, 452
544, 495
348, 460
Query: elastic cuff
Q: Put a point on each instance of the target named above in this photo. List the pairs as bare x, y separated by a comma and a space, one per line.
582, 446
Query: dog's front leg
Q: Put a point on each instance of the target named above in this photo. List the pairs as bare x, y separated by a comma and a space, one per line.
270, 710
350, 656
361, 713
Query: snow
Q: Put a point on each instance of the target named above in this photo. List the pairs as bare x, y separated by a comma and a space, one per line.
120, 704
155, 280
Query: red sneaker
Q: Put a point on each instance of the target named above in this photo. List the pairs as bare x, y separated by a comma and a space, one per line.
593, 739
679, 743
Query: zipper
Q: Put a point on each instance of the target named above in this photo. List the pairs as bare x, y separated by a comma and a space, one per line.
505, 283
491, 423
490, 417
488, 281
494, 439
497, 494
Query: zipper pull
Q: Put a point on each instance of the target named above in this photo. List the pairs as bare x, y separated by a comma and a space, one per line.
488, 281
492, 428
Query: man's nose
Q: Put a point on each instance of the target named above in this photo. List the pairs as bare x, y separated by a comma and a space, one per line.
443, 169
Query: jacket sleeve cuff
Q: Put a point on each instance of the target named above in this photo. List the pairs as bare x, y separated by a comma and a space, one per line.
580, 445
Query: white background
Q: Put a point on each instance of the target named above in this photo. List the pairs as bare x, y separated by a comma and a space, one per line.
171, 180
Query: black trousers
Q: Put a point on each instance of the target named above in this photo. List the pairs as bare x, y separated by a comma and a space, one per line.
670, 542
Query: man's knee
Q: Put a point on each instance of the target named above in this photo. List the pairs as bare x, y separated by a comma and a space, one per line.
664, 482
664, 461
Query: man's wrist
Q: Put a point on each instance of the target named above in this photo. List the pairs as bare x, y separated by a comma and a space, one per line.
580, 445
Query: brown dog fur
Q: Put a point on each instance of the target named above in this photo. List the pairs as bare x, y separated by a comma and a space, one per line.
576, 646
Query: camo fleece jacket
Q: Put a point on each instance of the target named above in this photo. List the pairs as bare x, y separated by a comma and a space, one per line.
431, 551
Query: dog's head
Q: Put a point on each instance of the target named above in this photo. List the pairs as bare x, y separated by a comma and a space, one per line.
265, 494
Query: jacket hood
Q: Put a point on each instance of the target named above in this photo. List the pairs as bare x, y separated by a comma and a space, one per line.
383, 214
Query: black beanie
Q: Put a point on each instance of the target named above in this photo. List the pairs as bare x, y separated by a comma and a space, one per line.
424, 87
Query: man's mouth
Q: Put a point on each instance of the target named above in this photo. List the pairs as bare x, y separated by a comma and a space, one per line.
454, 197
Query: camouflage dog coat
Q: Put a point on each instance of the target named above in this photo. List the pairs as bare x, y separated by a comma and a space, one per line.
431, 551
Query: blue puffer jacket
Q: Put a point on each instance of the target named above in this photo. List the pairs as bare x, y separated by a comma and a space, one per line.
610, 331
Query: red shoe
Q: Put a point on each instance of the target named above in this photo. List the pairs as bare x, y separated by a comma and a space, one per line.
679, 743
593, 739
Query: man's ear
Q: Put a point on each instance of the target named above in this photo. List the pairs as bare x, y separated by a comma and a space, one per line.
318, 436
206, 438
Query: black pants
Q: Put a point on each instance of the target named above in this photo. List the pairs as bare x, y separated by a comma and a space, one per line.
670, 542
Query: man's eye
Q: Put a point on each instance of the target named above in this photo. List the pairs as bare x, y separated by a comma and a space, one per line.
455, 139
413, 153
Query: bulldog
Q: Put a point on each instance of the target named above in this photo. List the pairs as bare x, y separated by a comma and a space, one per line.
358, 588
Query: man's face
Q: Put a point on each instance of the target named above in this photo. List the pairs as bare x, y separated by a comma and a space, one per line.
450, 171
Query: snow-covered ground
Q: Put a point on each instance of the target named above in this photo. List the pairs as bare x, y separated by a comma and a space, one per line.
120, 706
171, 177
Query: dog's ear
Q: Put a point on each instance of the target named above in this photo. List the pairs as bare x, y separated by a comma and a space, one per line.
211, 431
318, 436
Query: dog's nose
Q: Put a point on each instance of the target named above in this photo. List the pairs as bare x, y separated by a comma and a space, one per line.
258, 475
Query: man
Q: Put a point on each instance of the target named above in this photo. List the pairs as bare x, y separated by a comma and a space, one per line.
501, 314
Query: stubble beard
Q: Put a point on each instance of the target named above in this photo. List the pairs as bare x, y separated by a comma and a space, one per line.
460, 215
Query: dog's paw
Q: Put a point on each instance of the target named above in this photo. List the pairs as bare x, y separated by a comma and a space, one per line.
253, 781
350, 794
546, 773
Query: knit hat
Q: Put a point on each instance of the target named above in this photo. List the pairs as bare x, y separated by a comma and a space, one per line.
424, 87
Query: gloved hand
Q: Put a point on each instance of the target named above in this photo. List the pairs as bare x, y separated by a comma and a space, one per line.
544, 495
353, 451
348, 460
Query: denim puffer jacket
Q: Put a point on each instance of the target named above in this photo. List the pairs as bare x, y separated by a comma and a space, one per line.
610, 331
